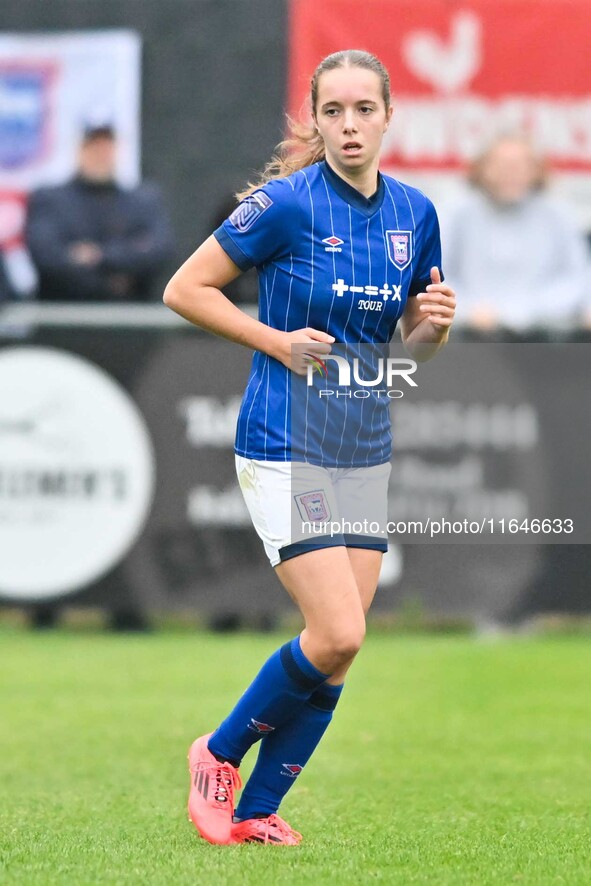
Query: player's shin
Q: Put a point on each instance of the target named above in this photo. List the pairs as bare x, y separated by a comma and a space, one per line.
282, 686
284, 753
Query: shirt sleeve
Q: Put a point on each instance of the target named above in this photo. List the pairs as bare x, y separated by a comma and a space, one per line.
429, 252
262, 226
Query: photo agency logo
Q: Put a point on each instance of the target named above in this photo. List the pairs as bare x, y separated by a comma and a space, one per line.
360, 379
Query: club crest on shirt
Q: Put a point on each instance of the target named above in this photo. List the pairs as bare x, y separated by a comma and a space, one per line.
313, 506
251, 209
399, 248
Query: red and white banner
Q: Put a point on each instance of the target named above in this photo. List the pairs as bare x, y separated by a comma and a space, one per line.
462, 72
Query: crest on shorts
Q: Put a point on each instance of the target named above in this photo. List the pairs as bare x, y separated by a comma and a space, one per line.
251, 209
313, 506
399, 248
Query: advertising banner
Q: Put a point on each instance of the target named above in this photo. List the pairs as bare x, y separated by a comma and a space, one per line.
118, 481
51, 86
462, 72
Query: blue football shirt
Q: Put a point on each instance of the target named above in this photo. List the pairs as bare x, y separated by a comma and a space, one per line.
329, 258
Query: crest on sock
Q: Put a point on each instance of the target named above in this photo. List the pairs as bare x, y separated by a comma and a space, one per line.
292, 769
261, 728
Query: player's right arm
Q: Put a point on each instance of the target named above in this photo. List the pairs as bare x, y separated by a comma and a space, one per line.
195, 293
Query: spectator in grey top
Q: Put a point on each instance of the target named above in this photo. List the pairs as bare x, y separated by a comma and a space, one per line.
516, 259
93, 240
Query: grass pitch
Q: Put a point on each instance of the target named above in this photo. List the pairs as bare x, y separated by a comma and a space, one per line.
450, 761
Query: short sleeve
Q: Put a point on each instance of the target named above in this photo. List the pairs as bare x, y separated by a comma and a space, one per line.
262, 226
429, 255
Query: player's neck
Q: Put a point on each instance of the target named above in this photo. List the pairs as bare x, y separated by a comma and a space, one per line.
363, 180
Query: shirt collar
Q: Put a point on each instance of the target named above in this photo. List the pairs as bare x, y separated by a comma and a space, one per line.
366, 205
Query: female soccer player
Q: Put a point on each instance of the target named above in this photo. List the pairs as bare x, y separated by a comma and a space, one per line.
342, 254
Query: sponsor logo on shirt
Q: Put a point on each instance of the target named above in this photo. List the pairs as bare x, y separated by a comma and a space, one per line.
387, 292
399, 248
251, 209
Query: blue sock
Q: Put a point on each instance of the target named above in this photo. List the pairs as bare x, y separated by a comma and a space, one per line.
284, 753
283, 684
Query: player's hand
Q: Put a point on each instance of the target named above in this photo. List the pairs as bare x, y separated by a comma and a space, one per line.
438, 302
317, 344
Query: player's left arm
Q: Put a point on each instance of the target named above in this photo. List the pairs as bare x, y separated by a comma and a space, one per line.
427, 318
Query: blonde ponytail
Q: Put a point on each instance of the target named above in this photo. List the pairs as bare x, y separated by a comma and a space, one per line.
303, 147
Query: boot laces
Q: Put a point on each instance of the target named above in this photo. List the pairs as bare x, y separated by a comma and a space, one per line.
274, 823
225, 780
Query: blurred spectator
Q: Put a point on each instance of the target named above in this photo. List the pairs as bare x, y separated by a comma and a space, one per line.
516, 259
93, 240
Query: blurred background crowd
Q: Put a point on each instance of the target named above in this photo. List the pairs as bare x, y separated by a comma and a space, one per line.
517, 256
123, 137
516, 247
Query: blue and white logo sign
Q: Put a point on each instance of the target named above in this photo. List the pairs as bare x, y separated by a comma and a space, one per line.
24, 114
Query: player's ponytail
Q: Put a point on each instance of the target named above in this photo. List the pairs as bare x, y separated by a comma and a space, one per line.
304, 144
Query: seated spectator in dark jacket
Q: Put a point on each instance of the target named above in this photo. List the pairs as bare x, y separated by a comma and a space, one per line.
93, 240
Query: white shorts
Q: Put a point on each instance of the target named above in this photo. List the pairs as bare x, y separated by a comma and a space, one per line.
297, 507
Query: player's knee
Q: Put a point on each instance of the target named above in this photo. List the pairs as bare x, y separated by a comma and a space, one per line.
344, 644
